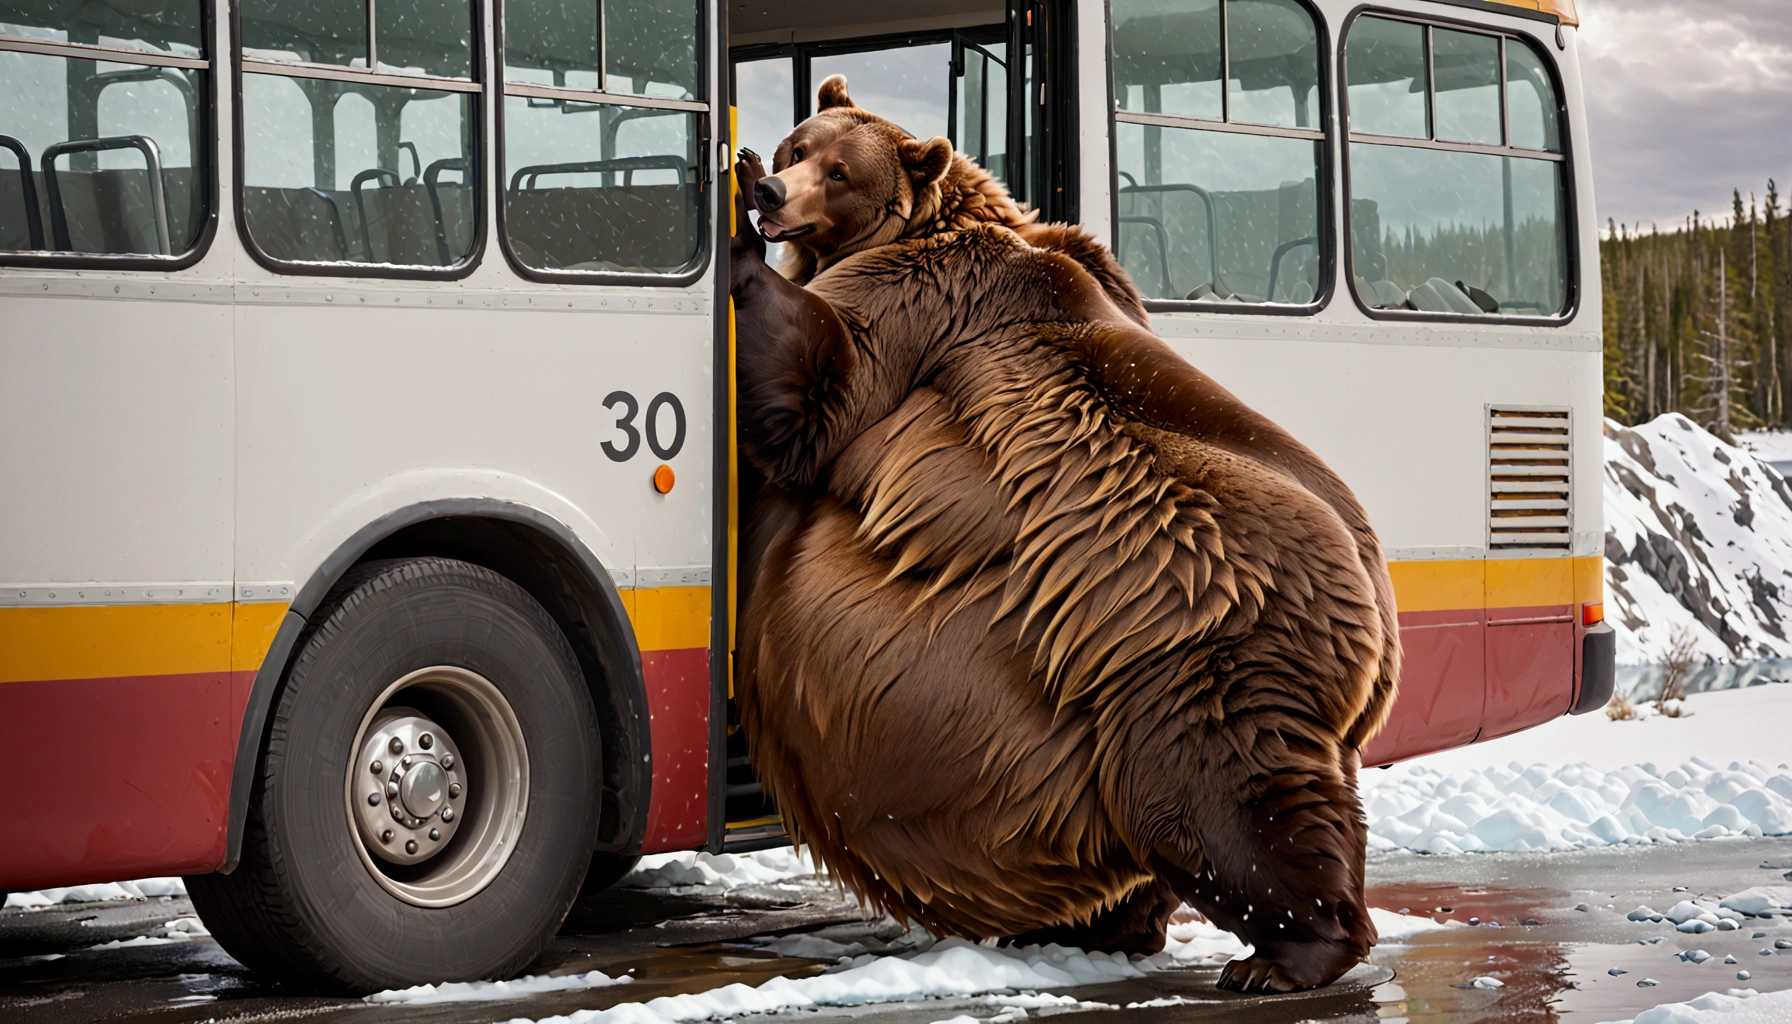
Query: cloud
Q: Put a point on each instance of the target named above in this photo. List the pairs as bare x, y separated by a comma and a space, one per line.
1685, 101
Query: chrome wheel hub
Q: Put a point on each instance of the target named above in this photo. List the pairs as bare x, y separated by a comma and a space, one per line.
414, 788
438, 787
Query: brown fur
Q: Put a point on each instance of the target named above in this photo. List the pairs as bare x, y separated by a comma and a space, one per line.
1043, 630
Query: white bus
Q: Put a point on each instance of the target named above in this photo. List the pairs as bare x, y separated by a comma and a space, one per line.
367, 481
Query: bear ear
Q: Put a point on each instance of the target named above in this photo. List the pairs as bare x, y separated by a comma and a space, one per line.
927, 162
832, 94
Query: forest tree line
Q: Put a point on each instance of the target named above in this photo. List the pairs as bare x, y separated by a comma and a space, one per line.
1696, 319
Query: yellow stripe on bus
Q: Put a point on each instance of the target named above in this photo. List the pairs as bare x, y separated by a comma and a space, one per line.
1497, 583
668, 618
109, 641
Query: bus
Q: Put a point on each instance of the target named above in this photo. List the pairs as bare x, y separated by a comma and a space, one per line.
368, 489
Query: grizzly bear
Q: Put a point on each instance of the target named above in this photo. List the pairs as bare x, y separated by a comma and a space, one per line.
1043, 631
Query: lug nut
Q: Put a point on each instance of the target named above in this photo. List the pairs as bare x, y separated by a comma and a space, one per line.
405, 761
447, 760
435, 834
453, 789
447, 814
410, 846
426, 741
376, 767
373, 799
396, 746
386, 836
391, 789
397, 814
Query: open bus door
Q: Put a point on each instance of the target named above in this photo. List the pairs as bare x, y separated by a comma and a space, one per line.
1001, 86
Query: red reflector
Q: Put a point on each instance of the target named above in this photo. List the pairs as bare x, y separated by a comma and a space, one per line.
1592, 614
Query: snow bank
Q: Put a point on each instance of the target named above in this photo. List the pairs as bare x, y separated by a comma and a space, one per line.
1393, 928
142, 888
1536, 807
1191, 943
1697, 532
718, 872
488, 991
953, 967
1737, 1006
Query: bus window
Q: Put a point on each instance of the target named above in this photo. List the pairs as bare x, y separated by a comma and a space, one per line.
1466, 214
353, 166
1218, 150
103, 156
904, 84
602, 165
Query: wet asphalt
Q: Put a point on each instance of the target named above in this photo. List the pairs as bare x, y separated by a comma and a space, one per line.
1552, 958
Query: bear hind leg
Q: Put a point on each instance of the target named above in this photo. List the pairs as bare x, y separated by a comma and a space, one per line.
1268, 842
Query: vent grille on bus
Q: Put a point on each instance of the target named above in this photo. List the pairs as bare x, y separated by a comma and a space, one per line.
1529, 474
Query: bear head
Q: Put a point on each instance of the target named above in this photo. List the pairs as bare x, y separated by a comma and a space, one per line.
847, 180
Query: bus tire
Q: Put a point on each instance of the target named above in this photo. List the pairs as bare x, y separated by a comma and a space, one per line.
605, 871
470, 700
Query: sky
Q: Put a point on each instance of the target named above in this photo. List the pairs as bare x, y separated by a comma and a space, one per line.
1686, 99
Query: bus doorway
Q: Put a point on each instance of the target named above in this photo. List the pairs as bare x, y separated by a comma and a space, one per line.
995, 79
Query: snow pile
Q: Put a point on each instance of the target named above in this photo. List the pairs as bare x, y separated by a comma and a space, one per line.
1520, 808
486, 991
1393, 929
181, 929
142, 888
718, 872
953, 967
1737, 1006
1697, 532
1201, 942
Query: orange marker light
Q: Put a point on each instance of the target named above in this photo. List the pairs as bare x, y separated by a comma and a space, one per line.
663, 479
1592, 613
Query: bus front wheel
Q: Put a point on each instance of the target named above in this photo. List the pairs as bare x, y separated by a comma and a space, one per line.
427, 800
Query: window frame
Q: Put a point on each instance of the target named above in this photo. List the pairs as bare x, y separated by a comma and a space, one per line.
1324, 171
707, 140
475, 87
1571, 290
206, 137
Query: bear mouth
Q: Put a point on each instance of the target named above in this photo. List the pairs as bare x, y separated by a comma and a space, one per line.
776, 232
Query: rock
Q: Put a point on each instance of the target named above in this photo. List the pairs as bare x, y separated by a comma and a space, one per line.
1695, 956
1730, 959
1582, 907
1614, 972
1782, 943
1643, 913
1726, 926
1486, 982
1474, 920
1758, 935
1530, 922
1647, 983
1695, 927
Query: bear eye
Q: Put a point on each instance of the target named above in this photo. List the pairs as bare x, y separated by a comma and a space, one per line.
796, 155
836, 175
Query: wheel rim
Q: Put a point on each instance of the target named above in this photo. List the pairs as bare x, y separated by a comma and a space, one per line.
437, 786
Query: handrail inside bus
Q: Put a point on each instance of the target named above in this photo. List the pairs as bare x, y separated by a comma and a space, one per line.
354, 188
1275, 262
336, 227
152, 157
1213, 229
447, 163
628, 165
34, 221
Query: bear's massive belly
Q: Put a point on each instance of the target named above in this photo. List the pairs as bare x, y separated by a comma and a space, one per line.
937, 658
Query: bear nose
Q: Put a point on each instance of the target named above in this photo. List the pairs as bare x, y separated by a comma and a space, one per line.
768, 194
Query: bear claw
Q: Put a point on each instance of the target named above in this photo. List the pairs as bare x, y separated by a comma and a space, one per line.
1257, 974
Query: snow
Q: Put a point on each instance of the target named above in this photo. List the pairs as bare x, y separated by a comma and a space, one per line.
1698, 532
142, 888
1188, 943
953, 967
1518, 807
1737, 1006
1393, 928
181, 929
718, 872
486, 991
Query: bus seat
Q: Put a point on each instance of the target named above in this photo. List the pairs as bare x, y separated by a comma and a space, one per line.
639, 228
109, 211
1437, 295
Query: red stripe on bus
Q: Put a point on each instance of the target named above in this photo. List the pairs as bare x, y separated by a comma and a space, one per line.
1477, 672
121, 777
678, 710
